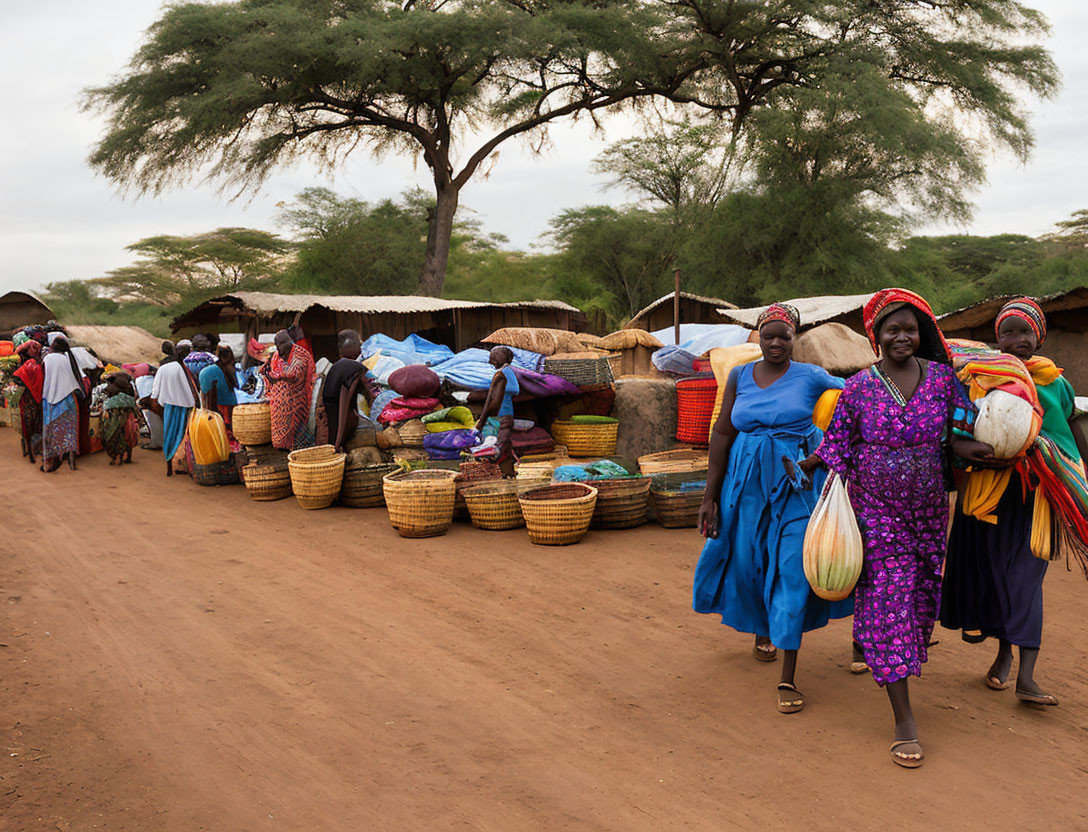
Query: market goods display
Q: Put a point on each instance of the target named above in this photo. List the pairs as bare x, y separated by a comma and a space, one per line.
415, 381
677, 498
420, 503
679, 461
252, 423
558, 515
593, 439
362, 487
833, 550
316, 475
494, 506
695, 399
621, 503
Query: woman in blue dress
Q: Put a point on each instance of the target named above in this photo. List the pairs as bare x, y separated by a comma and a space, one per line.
754, 514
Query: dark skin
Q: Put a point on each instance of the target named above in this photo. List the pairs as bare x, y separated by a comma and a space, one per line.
1016, 337
348, 416
776, 343
284, 343
499, 358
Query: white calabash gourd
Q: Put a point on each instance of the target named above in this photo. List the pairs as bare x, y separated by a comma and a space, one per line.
1006, 422
833, 551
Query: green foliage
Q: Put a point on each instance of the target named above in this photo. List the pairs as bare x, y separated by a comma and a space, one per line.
80, 302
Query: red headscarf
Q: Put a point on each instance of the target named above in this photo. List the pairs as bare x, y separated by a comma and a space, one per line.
30, 372
885, 302
781, 312
1026, 309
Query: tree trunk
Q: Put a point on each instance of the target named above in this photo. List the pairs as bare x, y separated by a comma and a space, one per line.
439, 231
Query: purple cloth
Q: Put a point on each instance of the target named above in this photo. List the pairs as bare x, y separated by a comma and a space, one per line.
449, 443
541, 385
891, 456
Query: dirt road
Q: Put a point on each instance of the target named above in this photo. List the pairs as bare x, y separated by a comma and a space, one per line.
180, 658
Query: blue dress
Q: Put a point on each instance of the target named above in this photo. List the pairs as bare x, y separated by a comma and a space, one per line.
752, 574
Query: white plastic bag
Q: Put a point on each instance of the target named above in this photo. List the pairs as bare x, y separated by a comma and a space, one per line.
833, 550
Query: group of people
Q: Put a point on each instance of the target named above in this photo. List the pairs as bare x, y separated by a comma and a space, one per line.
891, 441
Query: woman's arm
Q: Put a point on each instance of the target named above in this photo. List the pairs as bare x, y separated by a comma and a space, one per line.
721, 440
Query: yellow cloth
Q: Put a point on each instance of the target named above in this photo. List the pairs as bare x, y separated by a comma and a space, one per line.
722, 362
983, 492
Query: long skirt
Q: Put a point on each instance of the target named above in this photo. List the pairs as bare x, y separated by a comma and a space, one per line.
30, 421
175, 420
993, 585
60, 422
120, 431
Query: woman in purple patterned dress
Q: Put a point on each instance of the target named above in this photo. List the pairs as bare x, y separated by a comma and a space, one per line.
887, 440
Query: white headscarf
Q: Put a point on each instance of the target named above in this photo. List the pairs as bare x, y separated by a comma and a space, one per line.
60, 381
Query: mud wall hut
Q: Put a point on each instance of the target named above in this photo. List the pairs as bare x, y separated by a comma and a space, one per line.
1067, 329
19, 309
694, 309
455, 323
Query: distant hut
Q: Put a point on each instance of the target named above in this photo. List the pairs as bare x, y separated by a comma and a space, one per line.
19, 309
839, 309
455, 323
118, 344
694, 309
1067, 329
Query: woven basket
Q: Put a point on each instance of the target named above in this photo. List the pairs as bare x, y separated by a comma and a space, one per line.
218, 473
420, 503
267, 482
362, 487
558, 515
583, 372
316, 475
411, 433
592, 440
494, 506
695, 400
251, 424
677, 508
621, 503
680, 461
409, 455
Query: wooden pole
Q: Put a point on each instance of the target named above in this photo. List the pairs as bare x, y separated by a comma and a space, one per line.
676, 307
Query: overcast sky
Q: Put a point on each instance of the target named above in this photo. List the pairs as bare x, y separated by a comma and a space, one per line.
59, 220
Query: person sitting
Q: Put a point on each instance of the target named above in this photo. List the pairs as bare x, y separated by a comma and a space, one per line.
289, 383
500, 403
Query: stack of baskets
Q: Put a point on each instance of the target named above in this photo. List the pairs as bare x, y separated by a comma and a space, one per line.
677, 498
266, 476
622, 503
420, 503
362, 487
588, 437
469, 474
493, 505
680, 461
558, 515
695, 400
251, 424
316, 475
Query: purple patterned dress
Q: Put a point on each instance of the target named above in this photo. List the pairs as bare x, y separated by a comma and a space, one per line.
890, 453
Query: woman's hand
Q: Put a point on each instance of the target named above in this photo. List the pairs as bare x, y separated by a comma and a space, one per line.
708, 518
809, 465
972, 451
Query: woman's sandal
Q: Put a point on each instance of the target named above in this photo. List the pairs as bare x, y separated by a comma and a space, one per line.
993, 683
793, 702
858, 668
765, 655
907, 759
1044, 700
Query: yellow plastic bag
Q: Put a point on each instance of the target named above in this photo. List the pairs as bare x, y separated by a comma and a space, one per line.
833, 550
208, 437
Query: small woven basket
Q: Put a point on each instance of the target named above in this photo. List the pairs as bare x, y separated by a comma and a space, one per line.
420, 503
316, 475
251, 424
218, 473
412, 433
677, 507
494, 506
558, 515
362, 487
680, 461
622, 503
267, 482
587, 440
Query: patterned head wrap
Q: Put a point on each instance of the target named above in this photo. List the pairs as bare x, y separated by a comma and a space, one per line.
885, 302
779, 312
1027, 310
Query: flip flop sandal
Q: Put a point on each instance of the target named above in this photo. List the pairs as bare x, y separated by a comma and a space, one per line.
993, 683
858, 668
790, 704
765, 655
900, 758
1044, 700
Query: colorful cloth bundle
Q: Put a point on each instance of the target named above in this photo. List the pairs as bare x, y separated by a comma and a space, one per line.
449, 418
1061, 480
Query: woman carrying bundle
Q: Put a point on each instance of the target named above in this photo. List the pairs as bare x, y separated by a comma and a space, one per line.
887, 442
993, 582
31, 375
753, 516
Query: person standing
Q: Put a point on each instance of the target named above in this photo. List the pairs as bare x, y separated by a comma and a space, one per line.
340, 389
61, 393
887, 440
500, 403
174, 392
993, 582
120, 430
218, 383
754, 516
289, 377
31, 375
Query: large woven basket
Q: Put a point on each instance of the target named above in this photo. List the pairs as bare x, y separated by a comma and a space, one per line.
558, 515
420, 503
679, 461
267, 482
678, 507
587, 440
316, 475
622, 503
493, 506
583, 372
695, 399
362, 487
251, 424
218, 473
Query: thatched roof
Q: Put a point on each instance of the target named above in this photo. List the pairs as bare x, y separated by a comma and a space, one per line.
984, 313
18, 309
717, 303
843, 309
118, 344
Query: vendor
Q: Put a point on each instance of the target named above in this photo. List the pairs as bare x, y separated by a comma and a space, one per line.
289, 383
500, 403
341, 387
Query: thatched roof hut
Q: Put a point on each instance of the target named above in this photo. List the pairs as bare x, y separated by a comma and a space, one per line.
117, 344
19, 309
694, 309
839, 309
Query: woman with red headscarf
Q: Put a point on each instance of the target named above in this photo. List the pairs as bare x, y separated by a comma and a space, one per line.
31, 375
887, 441
993, 582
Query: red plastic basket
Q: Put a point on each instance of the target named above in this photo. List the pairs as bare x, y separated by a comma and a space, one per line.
695, 399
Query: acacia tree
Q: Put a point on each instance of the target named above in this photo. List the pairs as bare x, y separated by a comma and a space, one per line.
237, 88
